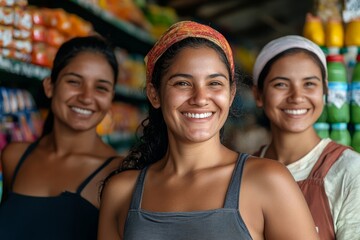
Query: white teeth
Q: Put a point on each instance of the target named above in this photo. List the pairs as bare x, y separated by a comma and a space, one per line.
295, 111
81, 111
198, 115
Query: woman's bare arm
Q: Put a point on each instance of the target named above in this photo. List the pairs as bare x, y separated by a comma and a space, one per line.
286, 213
114, 205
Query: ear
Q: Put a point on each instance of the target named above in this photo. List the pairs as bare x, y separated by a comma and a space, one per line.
48, 87
152, 95
233, 93
258, 96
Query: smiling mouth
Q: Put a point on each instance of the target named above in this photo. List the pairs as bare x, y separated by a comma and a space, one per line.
81, 111
198, 115
295, 111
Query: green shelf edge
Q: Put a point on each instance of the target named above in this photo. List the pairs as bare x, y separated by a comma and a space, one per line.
23, 68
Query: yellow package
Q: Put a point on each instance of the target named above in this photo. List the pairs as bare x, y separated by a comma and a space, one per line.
314, 29
334, 33
352, 33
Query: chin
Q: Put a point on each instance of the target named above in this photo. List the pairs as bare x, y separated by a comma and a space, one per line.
299, 129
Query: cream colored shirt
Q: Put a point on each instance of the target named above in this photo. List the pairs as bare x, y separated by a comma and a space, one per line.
342, 187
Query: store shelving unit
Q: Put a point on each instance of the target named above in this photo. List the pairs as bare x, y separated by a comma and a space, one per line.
120, 33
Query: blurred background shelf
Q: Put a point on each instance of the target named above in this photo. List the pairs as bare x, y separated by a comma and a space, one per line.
120, 33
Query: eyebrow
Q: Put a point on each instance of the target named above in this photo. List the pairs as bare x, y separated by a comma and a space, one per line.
184, 75
312, 77
80, 76
287, 79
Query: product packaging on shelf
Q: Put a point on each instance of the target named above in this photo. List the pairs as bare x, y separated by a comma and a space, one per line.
338, 109
339, 23
52, 27
15, 30
355, 93
20, 119
340, 133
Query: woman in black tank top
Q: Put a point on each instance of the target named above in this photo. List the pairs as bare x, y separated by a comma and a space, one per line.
184, 183
51, 186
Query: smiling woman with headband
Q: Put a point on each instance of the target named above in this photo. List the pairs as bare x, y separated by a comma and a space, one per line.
179, 181
289, 84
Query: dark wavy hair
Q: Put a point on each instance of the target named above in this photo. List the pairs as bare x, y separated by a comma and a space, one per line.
70, 50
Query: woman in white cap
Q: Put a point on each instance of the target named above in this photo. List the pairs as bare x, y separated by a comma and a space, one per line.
290, 81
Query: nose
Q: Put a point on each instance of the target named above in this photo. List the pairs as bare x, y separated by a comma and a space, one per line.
296, 95
86, 95
199, 97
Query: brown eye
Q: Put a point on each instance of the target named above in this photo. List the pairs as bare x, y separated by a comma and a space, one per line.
181, 83
103, 88
280, 85
73, 82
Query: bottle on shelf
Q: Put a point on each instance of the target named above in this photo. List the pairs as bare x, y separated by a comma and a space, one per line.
324, 114
355, 141
334, 37
352, 33
314, 29
355, 93
338, 109
340, 134
322, 129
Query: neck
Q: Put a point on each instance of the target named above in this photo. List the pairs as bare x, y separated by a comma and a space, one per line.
183, 158
82, 142
288, 148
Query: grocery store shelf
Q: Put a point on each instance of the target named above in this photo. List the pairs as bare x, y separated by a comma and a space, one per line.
23, 69
120, 33
122, 25
130, 93
120, 141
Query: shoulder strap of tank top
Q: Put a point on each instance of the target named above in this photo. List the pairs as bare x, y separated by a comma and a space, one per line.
233, 192
139, 187
327, 158
30, 148
88, 179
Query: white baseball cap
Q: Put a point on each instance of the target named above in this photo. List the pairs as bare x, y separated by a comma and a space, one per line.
280, 45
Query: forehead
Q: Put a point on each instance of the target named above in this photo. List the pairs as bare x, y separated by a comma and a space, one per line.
87, 54
89, 64
197, 56
294, 59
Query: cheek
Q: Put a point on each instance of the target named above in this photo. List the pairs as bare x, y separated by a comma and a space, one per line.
105, 102
272, 98
223, 99
173, 99
319, 99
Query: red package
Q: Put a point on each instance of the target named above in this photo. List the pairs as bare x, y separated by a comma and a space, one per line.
38, 33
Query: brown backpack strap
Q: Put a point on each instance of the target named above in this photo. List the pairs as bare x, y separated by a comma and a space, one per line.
327, 158
314, 191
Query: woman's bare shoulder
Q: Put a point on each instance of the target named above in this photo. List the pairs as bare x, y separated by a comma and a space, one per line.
15, 149
121, 185
12, 153
268, 172
10, 157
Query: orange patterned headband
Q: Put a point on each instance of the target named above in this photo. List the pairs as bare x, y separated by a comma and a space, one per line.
180, 31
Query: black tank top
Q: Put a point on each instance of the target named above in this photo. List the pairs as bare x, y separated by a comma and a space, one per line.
218, 224
67, 216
